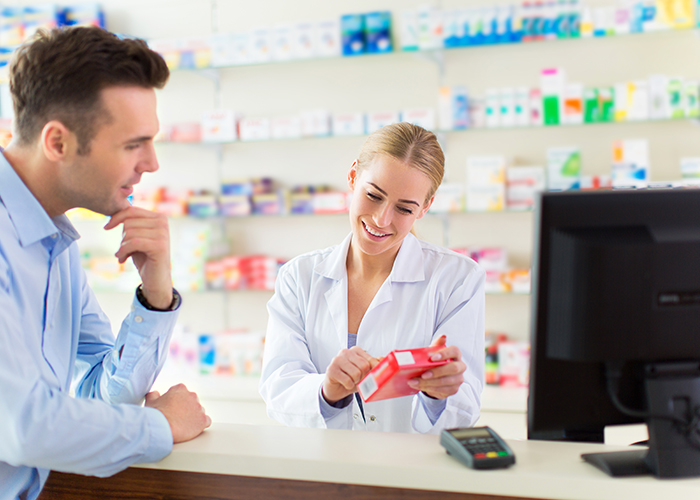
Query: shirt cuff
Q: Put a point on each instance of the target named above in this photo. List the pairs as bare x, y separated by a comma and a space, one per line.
161, 438
331, 410
433, 407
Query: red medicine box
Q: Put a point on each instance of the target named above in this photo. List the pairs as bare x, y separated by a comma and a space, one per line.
389, 378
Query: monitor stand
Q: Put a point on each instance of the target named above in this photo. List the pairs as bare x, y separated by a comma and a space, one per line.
672, 389
620, 463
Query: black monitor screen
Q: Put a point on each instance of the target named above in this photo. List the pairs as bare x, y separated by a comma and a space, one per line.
616, 282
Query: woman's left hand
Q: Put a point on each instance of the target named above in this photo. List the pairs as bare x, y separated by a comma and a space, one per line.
442, 381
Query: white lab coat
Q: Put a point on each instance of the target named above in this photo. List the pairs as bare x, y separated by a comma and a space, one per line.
431, 291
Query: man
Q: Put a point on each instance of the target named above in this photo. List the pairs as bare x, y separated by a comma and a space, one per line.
85, 118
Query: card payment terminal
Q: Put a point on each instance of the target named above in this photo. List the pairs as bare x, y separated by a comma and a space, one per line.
477, 447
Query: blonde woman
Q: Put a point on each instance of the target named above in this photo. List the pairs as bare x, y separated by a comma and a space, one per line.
335, 311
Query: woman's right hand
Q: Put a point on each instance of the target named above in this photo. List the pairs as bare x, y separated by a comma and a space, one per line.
346, 370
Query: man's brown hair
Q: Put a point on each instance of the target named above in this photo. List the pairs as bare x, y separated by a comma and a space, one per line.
59, 75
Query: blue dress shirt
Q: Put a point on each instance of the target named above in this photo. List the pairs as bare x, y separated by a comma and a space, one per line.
70, 393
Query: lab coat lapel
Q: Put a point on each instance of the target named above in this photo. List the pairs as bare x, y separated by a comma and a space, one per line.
333, 267
408, 267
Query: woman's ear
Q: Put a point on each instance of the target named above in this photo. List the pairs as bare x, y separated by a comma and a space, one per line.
425, 209
352, 176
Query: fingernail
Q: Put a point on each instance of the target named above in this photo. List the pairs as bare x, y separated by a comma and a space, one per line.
413, 384
436, 357
427, 374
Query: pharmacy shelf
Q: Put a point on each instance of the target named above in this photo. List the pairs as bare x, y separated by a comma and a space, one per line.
547, 128
432, 53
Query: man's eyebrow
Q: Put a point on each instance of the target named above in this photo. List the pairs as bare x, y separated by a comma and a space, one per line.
143, 138
384, 193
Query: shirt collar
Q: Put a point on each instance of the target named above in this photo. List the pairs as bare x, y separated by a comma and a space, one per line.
408, 265
30, 220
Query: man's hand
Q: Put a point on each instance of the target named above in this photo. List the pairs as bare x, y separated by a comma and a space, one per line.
346, 370
146, 239
181, 407
442, 381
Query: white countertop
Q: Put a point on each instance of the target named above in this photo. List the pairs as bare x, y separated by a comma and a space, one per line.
543, 470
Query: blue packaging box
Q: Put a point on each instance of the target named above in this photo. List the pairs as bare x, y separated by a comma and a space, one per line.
352, 32
378, 32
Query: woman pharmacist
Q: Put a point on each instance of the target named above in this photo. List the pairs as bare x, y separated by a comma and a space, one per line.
336, 310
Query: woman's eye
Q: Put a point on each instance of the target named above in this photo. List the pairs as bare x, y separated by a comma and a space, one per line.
406, 211
372, 196
131, 147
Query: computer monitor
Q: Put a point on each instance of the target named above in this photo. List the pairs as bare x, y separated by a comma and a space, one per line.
616, 324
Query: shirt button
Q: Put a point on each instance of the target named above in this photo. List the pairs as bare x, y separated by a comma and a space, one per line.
138, 319
355, 416
54, 236
372, 418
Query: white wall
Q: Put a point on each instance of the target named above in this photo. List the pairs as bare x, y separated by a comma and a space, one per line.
384, 82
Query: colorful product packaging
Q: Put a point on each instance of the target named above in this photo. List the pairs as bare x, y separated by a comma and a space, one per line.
630, 163
514, 363
389, 379
563, 168
353, 34
552, 82
453, 108
378, 32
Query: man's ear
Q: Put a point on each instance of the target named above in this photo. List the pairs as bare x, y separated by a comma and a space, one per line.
352, 176
57, 142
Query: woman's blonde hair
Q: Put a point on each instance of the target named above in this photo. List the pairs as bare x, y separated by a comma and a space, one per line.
410, 144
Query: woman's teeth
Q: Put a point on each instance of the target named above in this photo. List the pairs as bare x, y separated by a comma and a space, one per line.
373, 233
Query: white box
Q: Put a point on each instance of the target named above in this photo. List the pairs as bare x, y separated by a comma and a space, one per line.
690, 168
522, 107
522, 186
240, 49
408, 27
638, 96
254, 129
429, 28
285, 127
485, 183
659, 105
281, 48
219, 126
493, 108
315, 123
303, 40
423, 117
260, 45
222, 53
348, 124
379, 119
327, 41
449, 198
507, 106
